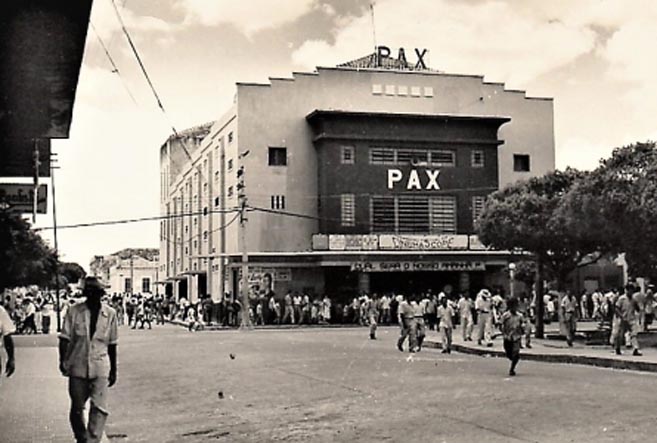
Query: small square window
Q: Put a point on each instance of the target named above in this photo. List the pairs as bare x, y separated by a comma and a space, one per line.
277, 156
390, 89
477, 206
428, 91
230, 164
402, 90
347, 157
278, 202
377, 89
230, 191
230, 137
521, 163
477, 158
216, 201
415, 91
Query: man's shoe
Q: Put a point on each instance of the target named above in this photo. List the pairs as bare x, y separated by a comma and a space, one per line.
399, 346
372, 337
479, 342
637, 353
528, 346
512, 373
618, 352
490, 345
444, 351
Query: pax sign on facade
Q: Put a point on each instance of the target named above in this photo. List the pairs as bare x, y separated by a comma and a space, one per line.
427, 181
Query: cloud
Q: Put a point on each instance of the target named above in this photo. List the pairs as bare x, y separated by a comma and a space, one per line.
107, 24
493, 38
248, 16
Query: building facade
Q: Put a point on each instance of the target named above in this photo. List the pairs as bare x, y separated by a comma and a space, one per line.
363, 177
132, 271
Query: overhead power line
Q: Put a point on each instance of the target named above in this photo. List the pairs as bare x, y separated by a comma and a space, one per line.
115, 68
135, 220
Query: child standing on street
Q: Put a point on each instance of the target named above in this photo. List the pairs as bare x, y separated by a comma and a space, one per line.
512, 330
446, 315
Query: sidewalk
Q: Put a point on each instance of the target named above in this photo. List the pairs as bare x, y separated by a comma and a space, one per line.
555, 351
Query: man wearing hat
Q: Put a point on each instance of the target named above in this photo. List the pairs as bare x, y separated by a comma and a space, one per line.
87, 356
484, 305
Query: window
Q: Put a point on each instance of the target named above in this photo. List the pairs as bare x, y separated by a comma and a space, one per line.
186, 229
216, 202
230, 164
477, 206
382, 156
205, 210
415, 91
382, 214
186, 250
278, 202
145, 284
477, 158
205, 235
230, 137
377, 89
428, 91
277, 156
413, 214
127, 285
390, 89
442, 158
521, 163
443, 214
415, 156
402, 90
230, 191
216, 176
348, 209
347, 157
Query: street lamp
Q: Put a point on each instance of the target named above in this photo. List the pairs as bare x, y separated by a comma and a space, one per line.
512, 274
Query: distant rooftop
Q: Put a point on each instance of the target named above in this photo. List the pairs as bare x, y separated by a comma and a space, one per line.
199, 131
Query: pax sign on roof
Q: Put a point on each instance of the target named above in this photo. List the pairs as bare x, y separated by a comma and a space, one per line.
383, 52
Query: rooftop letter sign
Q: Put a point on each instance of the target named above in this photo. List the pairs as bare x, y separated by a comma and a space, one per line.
383, 52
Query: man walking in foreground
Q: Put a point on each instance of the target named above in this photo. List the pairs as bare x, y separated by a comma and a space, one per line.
6, 329
512, 331
625, 321
87, 356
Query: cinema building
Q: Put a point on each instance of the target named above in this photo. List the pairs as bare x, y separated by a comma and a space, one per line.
367, 176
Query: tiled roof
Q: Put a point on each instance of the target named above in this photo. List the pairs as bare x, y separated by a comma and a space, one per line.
370, 62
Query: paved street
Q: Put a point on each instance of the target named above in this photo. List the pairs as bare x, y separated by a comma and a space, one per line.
326, 385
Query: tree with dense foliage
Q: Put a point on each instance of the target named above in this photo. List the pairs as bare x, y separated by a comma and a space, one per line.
72, 272
525, 217
25, 259
615, 207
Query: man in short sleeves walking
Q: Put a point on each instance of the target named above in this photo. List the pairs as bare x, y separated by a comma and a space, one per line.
87, 356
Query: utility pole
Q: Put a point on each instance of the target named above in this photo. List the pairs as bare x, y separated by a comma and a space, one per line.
132, 274
54, 225
241, 197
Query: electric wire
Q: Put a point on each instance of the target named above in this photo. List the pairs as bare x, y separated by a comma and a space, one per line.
134, 220
115, 69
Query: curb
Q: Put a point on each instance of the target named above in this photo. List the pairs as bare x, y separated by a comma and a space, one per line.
272, 327
601, 362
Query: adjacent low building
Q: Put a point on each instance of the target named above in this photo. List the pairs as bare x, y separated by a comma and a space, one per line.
131, 271
368, 176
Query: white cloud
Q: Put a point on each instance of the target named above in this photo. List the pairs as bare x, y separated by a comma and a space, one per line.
249, 16
107, 24
492, 38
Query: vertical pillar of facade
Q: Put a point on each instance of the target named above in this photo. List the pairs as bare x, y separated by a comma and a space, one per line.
364, 282
192, 287
464, 281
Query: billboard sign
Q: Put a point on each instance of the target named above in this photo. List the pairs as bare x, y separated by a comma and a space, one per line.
17, 197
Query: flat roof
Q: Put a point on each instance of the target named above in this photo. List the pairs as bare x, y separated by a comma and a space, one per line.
420, 116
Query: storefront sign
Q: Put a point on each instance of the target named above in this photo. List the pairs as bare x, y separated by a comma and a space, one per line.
476, 244
320, 242
337, 242
19, 198
423, 242
418, 266
361, 242
428, 181
257, 274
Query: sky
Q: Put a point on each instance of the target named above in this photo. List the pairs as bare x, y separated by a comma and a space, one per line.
594, 57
